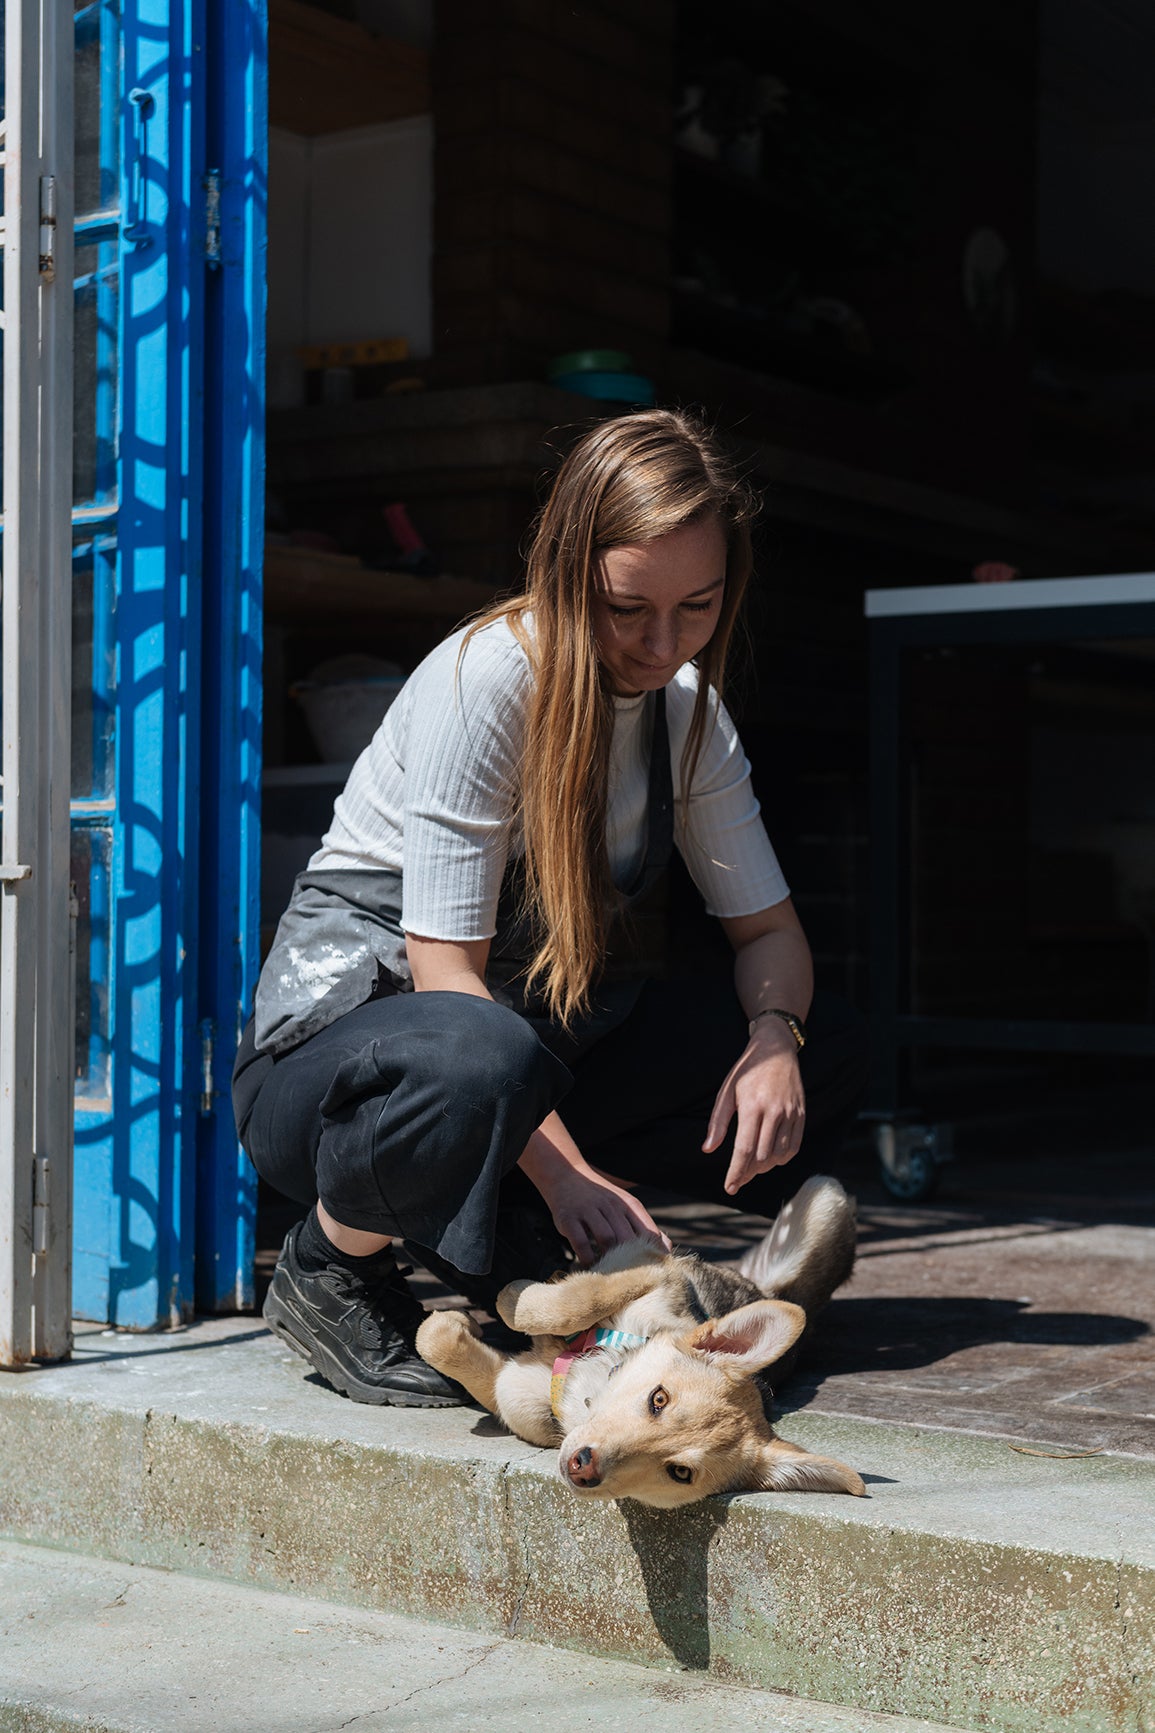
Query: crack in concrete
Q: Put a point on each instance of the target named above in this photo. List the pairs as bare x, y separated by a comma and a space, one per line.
433, 1685
98, 1683
1119, 1608
146, 1447
521, 1539
118, 1599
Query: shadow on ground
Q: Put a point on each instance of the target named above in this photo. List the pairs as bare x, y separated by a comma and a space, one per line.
897, 1334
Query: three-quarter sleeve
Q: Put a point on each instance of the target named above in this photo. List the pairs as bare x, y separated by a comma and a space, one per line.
462, 757
720, 833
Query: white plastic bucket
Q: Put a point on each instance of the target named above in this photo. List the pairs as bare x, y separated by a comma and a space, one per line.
344, 715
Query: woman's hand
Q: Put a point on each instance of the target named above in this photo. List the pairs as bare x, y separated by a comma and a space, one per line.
765, 1090
590, 1211
771, 967
594, 1214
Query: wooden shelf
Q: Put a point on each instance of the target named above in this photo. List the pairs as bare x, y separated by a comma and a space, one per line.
303, 586
327, 74
487, 435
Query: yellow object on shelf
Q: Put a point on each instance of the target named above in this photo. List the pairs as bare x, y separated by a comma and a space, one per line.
370, 352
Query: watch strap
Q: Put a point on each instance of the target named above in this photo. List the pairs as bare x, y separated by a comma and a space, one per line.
795, 1024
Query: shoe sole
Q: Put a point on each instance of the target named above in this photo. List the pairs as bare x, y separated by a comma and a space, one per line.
281, 1322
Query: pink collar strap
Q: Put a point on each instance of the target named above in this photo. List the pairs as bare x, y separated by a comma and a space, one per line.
577, 1347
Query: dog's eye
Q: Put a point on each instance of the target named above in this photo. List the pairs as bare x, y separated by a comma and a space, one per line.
679, 1471
658, 1400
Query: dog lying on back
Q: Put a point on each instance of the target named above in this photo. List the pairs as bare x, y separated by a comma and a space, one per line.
645, 1368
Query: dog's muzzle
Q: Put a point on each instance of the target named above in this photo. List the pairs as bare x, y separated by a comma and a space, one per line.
582, 1468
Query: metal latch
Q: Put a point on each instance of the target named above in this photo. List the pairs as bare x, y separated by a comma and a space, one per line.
48, 228
12, 875
213, 219
136, 226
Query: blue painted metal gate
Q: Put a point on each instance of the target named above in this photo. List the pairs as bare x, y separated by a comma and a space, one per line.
170, 200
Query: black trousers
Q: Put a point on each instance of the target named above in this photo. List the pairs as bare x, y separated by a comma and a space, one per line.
406, 1115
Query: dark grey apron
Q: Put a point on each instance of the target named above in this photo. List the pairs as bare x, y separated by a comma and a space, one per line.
339, 942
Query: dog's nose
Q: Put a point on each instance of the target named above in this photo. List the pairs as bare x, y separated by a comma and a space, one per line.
582, 1467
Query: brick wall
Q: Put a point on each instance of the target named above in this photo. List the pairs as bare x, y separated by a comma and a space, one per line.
552, 175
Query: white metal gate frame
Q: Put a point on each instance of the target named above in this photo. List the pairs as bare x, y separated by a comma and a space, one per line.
36, 950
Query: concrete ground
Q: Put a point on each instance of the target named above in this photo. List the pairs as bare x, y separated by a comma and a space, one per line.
116, 1648
976, 1586
989, 1371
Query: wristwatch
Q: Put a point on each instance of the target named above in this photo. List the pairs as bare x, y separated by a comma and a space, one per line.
795, 1024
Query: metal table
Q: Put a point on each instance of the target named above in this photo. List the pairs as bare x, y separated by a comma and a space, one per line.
1045, 612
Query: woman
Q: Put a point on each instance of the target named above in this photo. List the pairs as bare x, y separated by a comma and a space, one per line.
435, 988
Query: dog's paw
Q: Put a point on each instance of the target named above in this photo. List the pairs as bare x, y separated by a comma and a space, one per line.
443, 1336
507, 1302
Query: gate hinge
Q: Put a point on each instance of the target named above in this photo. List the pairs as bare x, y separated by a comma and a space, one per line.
213, 219
48, 228
208, 1093
40, 1173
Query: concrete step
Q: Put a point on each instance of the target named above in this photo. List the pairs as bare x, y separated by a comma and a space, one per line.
127, 1649
976, 1586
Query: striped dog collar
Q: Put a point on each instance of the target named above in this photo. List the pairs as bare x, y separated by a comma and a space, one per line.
577, 1347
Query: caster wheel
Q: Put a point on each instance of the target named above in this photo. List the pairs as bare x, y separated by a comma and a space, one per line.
919, 1181
909, 1158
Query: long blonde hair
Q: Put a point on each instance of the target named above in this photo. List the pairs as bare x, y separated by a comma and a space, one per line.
627, 481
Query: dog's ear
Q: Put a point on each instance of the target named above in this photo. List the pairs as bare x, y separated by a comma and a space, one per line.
750, 1338
784, 1467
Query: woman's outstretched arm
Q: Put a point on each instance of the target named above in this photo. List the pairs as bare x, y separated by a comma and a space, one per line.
589, 1210
772, 971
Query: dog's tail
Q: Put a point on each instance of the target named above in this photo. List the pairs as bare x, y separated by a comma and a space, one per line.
809, 1252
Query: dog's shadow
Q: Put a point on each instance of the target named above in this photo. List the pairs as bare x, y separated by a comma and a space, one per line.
673, 1550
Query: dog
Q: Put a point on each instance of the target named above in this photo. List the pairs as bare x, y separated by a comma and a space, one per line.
648, 1369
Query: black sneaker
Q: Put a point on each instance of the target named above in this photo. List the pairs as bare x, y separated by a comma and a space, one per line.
357, 1331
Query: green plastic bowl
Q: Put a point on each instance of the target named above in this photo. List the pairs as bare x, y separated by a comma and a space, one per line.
591, 361
632, 388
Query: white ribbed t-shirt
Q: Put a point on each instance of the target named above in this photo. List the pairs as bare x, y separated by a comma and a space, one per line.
434, 794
